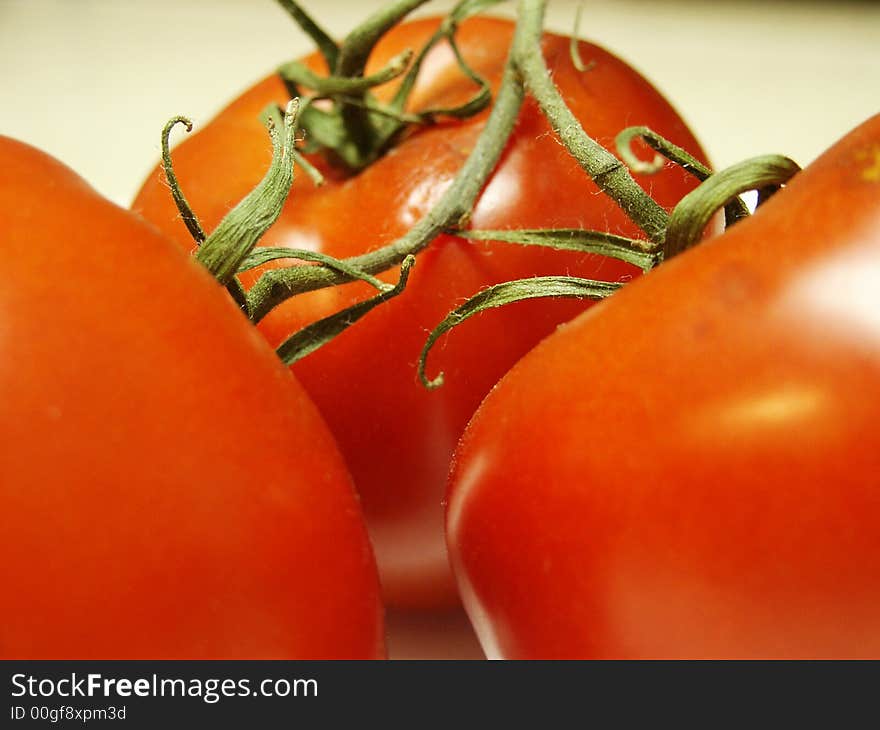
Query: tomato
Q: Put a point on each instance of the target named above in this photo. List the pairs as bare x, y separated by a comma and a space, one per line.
692, 468
167, 489
396, 437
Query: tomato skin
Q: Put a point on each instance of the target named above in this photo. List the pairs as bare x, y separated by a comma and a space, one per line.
398, 438
691, 469
167, 489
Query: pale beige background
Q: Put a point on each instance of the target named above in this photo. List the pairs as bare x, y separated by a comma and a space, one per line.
93, 82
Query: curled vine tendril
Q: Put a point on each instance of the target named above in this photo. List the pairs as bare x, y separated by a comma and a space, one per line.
694, 211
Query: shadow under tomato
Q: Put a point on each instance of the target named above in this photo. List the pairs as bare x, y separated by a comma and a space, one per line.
431, 635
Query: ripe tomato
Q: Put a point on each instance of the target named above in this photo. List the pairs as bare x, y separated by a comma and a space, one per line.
398, 438
167, 489
692, 468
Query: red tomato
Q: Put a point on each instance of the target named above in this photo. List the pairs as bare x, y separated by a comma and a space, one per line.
167, 489
692, 468
398, 438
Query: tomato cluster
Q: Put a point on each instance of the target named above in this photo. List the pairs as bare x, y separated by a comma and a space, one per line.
687, 469
398, 438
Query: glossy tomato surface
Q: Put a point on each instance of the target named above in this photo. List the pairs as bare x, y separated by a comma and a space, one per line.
692, 468
167, 489
398, 438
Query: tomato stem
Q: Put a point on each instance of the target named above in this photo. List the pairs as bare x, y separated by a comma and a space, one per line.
694, 211
452, 211
353, 55
228, 250
350, 134
609, 173
319, 333
508, 292
447, 30
328, 86
359, 43
735, 210
524, 69
228, 245
574, 44
325, 43
631, 250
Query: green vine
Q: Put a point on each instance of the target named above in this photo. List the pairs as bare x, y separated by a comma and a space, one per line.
358, 129
524, 70
735, 209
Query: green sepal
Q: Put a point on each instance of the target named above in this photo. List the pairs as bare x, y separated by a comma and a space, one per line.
273, 114
265, 254
326, 45
509, 292
242, 227
318, 334
327, 86
734, 211
694, 211
358, 129
643, 254
461, 12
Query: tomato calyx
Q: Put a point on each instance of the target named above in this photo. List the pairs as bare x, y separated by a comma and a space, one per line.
236, 235
226, 248
349, 125
223, 251
229, 249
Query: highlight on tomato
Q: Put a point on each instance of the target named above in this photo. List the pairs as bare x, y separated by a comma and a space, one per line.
389, 144
167, 488
691, 469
